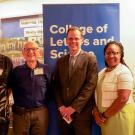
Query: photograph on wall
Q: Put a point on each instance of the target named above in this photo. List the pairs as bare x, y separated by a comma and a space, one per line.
16, 31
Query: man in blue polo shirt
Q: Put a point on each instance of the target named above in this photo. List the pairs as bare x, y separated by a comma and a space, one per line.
30, 84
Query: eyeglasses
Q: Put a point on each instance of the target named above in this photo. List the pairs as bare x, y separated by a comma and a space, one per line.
30, 49
74, 39
112, 53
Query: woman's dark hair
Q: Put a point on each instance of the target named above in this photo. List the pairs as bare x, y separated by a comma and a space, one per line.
121, 51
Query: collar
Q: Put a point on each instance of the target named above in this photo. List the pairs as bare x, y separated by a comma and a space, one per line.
76, 54
38, 65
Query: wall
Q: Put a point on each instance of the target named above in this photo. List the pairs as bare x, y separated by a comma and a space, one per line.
127, 31
13, 8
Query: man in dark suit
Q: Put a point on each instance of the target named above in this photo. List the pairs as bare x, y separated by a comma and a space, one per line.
76, 79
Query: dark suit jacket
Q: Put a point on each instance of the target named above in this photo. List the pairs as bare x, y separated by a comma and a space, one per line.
76, 91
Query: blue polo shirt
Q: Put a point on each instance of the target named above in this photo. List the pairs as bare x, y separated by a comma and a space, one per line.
30, 86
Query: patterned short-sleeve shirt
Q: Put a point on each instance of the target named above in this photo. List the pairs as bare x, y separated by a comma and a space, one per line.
5, 68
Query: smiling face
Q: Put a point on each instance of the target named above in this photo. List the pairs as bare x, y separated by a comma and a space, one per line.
74, 41
30, 52
112, 55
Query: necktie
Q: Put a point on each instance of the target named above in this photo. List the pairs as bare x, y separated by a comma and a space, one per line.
71, 65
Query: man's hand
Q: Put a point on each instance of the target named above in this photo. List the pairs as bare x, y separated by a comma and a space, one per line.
66, 112
70, 110
62, 110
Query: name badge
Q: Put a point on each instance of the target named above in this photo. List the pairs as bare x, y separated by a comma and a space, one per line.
1, 71
38, 71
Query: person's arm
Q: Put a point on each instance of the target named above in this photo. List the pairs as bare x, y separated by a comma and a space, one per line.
10, 97
7, 70
118, 104
57, 87
98, 117
89, 86
49, 84
125, 86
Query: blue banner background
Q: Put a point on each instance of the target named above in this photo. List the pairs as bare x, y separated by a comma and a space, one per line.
101, 24
96, 16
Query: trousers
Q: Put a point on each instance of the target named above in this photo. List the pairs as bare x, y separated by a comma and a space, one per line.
34, 122
4, 128
77, 127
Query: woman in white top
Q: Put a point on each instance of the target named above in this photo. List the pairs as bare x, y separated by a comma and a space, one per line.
114, 111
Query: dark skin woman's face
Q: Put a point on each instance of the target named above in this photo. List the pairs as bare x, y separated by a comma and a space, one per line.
112, 55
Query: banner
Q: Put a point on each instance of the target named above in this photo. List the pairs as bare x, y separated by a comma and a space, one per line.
99, 22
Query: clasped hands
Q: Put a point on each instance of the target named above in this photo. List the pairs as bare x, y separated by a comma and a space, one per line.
100, 120
66, 112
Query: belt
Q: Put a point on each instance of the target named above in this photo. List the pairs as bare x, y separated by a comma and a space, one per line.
23, 110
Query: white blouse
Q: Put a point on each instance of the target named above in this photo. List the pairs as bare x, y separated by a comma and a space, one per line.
119, 78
